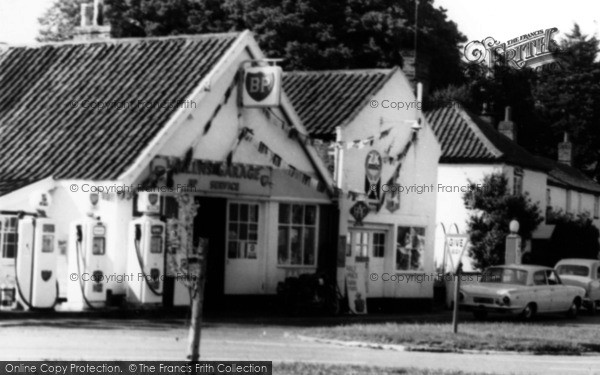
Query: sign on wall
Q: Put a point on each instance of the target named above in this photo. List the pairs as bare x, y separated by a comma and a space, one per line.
373, 165
220, 177
261, 86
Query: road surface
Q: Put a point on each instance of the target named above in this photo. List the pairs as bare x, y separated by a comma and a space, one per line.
109, 339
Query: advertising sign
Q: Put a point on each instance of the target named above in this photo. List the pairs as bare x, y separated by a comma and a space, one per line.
261, 86
356, 285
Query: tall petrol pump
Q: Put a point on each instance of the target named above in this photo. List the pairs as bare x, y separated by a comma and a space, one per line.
146, 252
35, 263
88, 264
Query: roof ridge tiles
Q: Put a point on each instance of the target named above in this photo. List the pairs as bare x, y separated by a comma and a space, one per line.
130, 40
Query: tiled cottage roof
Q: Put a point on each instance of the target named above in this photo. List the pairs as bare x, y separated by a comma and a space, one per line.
566, 176
326, 99
465, 138
45, 129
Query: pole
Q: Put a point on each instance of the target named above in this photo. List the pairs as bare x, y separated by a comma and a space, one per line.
416, 27
339, 153
198, 304
456, 302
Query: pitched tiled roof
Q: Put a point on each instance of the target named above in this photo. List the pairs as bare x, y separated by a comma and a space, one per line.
326, 99
45, 129
465, 138
566, 176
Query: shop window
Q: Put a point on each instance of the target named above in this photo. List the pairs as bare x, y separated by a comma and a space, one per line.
242, 231
378, 245
410, 249
297, 234
8, 236
596, 207
518, 181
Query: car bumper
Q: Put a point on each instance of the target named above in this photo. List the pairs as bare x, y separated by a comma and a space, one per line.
492, 309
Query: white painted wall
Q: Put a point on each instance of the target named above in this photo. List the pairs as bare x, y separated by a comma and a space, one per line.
418, 168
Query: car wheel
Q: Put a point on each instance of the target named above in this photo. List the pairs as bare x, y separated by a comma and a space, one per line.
528, 312
480, 314
573, 309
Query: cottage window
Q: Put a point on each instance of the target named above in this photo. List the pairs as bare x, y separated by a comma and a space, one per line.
518, 181
242, 231
8, 236
579, 202
569, 198
297, 234
596, 207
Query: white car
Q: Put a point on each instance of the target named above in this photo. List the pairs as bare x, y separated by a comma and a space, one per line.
523, 290
584, 273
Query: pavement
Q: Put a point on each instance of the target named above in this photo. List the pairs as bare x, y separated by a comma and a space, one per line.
95, 338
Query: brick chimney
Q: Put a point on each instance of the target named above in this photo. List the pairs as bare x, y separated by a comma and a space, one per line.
565, 151
416, 71
91, 24
486, 114
507, 126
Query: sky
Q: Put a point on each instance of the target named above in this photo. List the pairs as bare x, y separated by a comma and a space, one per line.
477, 19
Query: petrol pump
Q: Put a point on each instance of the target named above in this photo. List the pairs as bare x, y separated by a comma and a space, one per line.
35, 263
88, 264
146, 254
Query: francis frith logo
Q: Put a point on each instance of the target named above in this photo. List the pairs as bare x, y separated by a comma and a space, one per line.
534, 50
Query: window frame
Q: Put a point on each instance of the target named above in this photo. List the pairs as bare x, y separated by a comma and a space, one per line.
289, 225
238, 222
3, 234
518, 176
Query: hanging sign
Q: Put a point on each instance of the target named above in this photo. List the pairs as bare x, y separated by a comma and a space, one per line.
359, 211
261, 86
373, 164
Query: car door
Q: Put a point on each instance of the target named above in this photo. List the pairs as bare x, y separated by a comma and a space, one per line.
541, 292
560, 296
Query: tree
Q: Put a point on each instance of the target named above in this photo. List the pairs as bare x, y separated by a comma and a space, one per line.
188, 264
574, 236
307, 34
568, 100
492, 208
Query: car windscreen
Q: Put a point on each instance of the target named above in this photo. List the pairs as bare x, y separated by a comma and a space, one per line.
573, 269
505, 276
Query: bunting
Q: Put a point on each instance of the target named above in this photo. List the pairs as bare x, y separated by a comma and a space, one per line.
277, 161
400, 158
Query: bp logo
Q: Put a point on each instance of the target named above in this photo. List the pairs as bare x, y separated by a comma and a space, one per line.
259, 85
46, 275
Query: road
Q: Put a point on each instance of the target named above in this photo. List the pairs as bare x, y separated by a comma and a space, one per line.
110, 339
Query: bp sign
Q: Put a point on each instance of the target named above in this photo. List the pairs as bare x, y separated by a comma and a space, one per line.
261, 86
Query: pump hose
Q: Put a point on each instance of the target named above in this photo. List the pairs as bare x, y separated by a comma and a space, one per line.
139, 258
87, 302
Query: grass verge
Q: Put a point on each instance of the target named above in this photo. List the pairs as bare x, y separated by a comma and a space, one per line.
536, 338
